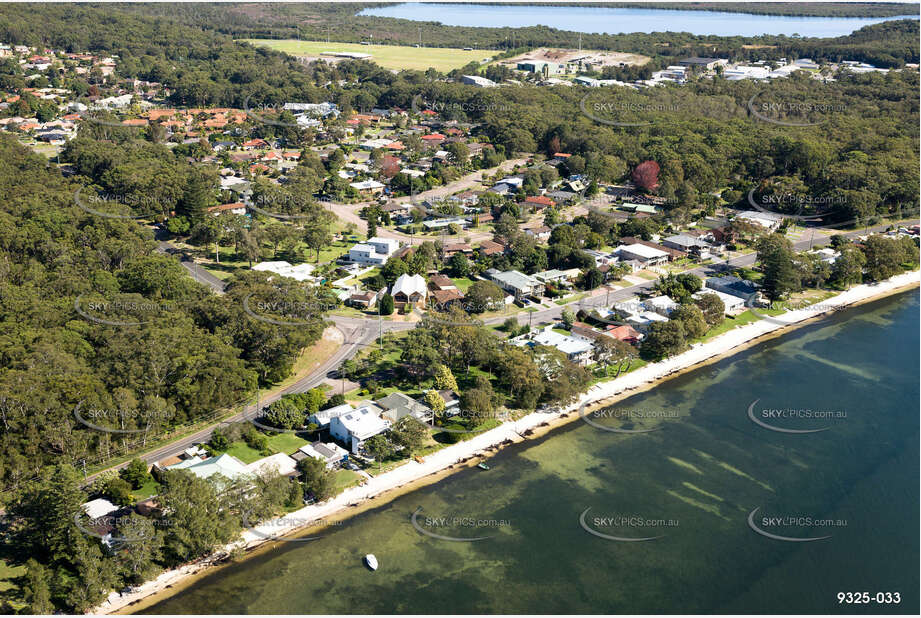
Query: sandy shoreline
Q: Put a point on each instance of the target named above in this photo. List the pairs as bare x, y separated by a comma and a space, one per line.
413, 474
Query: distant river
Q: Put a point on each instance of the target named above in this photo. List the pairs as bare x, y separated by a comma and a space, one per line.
692, 482
621, 20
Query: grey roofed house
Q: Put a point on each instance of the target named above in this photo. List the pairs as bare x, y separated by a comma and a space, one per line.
517, 283
452, 400
684, 242
397, 405
501, 188
733, 286
561, 196
696, 61
330, 453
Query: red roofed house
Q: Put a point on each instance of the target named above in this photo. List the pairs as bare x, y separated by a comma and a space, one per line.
624, 333
538, 202
236, 208
443, 291
254, 143
433, 139
490, 247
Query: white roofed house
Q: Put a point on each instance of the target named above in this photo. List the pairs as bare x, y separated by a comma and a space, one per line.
663, 305
733, 304
576, 349
329, 453
102, 518
648, 256
301, 272
767, 220
476, 80
374, 251
278, 464
322, 418
409, 290
355, 427
368, 187
644, 319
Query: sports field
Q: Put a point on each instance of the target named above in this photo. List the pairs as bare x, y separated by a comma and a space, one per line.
388, 56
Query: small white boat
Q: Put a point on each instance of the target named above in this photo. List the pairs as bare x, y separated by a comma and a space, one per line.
371, 561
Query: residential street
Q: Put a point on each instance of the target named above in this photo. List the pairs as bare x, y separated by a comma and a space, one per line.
361, 332
349, 212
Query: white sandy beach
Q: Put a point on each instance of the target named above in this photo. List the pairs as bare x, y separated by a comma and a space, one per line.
414, 471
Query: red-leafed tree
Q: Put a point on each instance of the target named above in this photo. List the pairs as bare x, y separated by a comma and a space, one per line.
390, 166
646, 175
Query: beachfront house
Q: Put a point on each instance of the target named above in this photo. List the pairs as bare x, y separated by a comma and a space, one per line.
397, 405
733, 304
330, 453
734, 286
355, 427
576, 349
322, 418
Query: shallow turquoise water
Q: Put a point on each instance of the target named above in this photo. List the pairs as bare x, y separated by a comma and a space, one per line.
697, 478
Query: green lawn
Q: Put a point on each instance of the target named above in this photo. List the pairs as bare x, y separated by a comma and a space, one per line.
148, 489
8, 573
463, 283
397, 57
286, 443
571, 299
343, 479
243, 452
740, 320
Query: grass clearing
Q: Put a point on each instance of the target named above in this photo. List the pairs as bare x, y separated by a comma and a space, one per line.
343, 479
244, 452
286, 443
8, 573
397, 57
148, 489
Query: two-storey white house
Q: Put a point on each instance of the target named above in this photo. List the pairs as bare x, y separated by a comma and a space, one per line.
374, 251
353, 428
